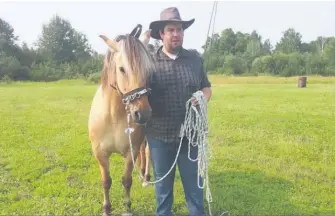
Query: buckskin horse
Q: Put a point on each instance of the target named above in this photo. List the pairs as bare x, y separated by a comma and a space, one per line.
123, 89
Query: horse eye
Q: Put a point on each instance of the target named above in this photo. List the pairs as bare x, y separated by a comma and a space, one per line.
121, 69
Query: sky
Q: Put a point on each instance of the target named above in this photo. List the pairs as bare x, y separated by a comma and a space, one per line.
268, 18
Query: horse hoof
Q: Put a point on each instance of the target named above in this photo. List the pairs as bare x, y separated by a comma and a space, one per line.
106, 209
145, 184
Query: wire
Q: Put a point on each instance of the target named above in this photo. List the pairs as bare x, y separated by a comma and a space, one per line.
208, 45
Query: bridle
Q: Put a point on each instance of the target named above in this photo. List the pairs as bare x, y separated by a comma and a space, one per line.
132, 95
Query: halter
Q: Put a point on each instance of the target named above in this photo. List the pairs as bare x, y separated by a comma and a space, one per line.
132, 95
135, 94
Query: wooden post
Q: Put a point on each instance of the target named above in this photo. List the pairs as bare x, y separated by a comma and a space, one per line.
302, 82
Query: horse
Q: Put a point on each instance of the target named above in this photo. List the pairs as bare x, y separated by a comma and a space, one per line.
122, 93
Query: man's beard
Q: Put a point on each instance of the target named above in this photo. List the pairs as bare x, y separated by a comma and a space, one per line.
176, 49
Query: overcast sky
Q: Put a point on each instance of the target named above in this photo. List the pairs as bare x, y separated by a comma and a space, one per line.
269, 18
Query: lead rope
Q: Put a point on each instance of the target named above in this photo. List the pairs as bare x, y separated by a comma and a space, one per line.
195, 128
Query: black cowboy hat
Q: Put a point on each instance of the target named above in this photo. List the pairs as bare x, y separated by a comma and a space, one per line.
168, 15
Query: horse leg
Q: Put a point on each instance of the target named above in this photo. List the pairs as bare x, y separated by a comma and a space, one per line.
139, 160
127, 180
147, 165
143, 158
106, 180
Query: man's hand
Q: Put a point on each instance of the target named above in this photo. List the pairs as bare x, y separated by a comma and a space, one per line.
145, 37
194, 101
147, 33
207, 93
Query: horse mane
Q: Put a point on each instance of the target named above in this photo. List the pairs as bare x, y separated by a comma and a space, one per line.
135, 57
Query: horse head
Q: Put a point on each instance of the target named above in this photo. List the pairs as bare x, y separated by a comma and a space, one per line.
127, 68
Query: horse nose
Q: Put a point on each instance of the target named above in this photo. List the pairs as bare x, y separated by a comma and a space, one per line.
141, 117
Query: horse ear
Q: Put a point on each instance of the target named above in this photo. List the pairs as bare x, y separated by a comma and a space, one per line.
110, 42
146, 38
136, 32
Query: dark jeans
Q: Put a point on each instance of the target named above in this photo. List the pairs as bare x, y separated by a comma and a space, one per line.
163, 156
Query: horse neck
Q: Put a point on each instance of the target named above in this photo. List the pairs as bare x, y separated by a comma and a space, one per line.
114, 106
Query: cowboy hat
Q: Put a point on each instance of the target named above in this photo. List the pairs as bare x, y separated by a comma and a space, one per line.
168, 15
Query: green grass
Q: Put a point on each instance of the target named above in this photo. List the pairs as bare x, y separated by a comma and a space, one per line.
274, 150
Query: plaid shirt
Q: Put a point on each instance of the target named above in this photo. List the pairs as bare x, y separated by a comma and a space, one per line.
172, 85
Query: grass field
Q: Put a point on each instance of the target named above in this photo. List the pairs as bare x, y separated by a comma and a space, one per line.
274, 150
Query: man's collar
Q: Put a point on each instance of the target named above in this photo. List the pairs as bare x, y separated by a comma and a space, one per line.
183, 53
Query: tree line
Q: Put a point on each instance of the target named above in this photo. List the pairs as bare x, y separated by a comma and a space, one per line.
247, 53
61, 52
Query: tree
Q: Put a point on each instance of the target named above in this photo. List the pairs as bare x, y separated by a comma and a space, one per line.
254, 47
308, 48
290, 42
7, 38
321, 43
7, 33
329, 54
62, 43
227, 41
82, 50
15, 61
267, 47
241, 42
255, 36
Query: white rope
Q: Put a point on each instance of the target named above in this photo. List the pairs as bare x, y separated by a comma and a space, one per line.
195, 128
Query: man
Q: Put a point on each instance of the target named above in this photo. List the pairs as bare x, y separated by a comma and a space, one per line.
179, 74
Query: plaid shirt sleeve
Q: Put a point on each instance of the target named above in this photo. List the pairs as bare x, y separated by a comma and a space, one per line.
204, 78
